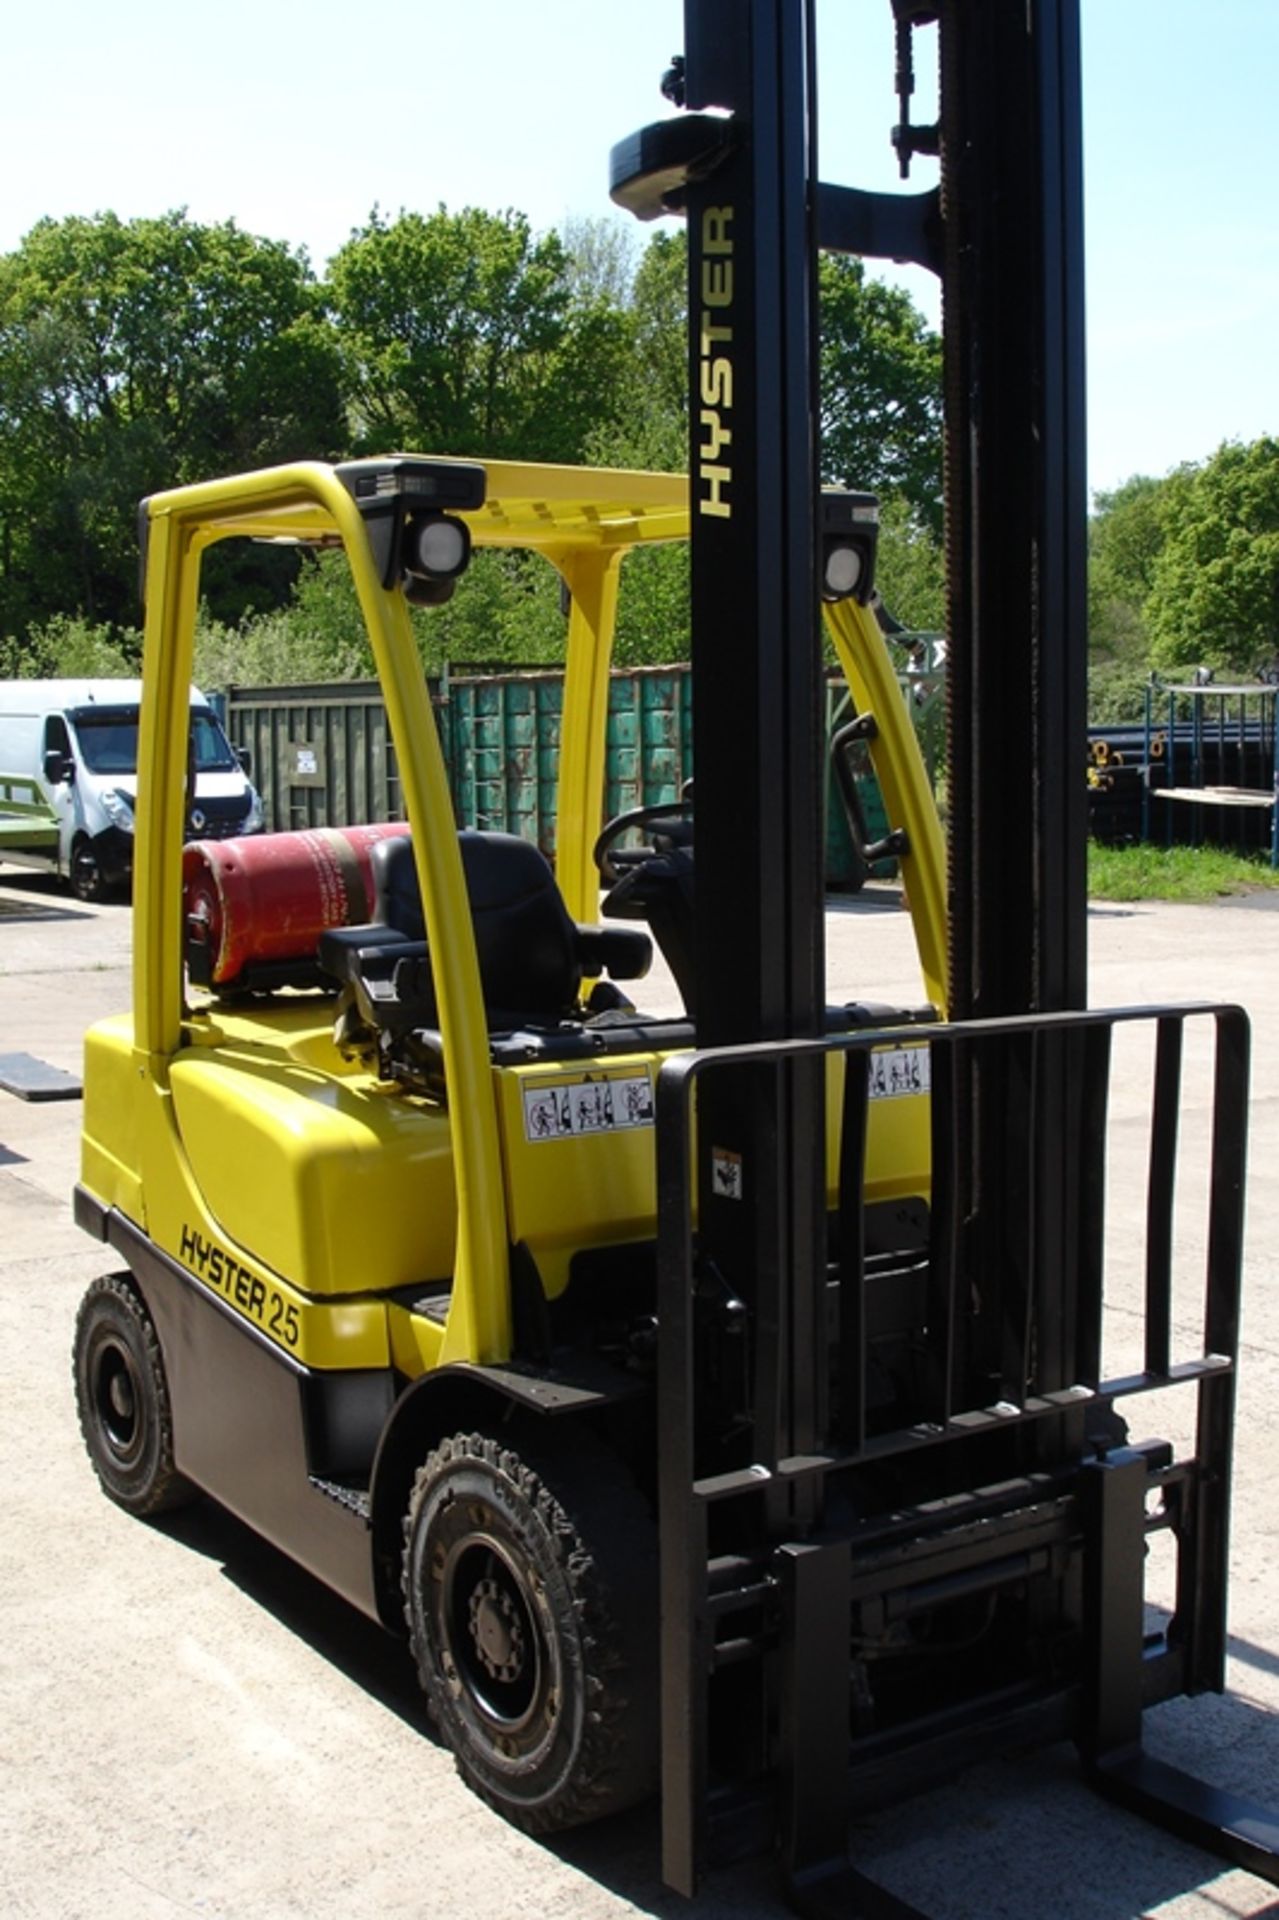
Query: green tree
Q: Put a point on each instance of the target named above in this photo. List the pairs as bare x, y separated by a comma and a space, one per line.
881, 405
1125, 538
1126, 535
880, 381
135, 356
653, 619
1214, 595
601, 258
908, 568
649, 427
462, 334
70, 646
505, 610
881, 410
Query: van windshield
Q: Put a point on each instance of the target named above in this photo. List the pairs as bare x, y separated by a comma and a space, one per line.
109, 740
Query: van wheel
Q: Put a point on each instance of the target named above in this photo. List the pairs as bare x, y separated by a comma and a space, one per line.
122, 1398
530, 1584
87, 882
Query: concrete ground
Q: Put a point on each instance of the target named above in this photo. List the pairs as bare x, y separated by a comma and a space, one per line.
192, 1726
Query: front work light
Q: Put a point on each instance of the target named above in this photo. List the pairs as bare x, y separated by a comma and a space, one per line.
849, 536
436, 550
437, 546
408, 505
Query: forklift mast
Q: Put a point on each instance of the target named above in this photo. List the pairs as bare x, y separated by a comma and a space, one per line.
741, 163
1008, 1333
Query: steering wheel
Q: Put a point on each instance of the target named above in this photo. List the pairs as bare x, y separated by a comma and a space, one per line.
675, 817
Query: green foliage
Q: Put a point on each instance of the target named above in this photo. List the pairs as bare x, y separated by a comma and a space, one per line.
67, 646
463, 334
1214, 597
325, 613
134, 356
1184, 572
880, 381
880, 389
909, 568
1117, 690
320, 635
601, 257
1128, 536
649, 427
138, 355
506, 609
1125, 538
653, 620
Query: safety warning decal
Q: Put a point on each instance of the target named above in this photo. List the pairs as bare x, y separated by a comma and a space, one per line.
726, 1173
898, 1071
568, 1109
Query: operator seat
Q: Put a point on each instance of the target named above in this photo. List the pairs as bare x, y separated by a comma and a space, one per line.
532, 955
525, 940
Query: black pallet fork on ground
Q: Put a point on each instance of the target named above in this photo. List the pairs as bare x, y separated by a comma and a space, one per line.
816, 1527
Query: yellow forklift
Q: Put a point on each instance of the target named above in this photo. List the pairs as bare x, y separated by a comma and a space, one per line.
718, 1404
379, 1155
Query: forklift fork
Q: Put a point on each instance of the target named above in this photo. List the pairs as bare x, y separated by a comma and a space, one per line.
772, 1568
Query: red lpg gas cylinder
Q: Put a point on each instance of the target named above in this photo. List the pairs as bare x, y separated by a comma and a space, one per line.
268, 898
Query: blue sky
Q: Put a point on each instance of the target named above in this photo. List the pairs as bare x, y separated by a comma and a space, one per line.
295, 119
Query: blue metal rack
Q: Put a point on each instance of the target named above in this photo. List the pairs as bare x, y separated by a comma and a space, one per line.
1214, 758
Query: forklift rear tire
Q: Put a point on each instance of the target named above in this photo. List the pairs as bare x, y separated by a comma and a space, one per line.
530, 1584
122, 1398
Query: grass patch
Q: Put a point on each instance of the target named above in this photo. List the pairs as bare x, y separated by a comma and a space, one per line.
1174, 873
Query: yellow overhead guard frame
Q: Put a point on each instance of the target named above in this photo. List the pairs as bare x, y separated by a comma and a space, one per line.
584, 521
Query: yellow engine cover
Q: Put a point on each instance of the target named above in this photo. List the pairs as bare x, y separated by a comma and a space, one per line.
336, 1182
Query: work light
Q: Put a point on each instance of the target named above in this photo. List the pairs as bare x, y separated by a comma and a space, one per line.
849, 536
436, 550
437, 546
417, 544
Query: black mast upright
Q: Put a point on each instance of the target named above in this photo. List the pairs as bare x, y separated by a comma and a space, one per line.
747, 184
1016, 517
1016, 504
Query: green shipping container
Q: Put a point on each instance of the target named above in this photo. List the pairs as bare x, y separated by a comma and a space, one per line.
323, 755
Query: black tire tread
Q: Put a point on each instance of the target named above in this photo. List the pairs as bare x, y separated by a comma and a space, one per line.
166, 1489
588, 1502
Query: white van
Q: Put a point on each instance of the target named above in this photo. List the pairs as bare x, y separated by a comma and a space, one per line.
72, 746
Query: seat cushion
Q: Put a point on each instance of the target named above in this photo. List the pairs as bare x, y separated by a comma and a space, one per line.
526, 943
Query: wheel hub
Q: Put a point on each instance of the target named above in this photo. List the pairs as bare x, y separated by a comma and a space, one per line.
497, 1631
116, 1394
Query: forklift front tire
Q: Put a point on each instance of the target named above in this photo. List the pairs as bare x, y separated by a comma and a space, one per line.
122, 1398
530, 1584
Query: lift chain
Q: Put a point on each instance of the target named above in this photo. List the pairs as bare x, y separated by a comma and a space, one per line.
907, 139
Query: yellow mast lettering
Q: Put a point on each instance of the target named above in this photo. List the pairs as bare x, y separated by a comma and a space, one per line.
715, 380
718, 436
717, 283
715, 478
715, 230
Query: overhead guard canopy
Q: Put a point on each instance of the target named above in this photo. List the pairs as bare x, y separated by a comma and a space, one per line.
550, 509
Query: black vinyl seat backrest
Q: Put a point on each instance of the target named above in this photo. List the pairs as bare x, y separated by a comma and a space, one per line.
528, 947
